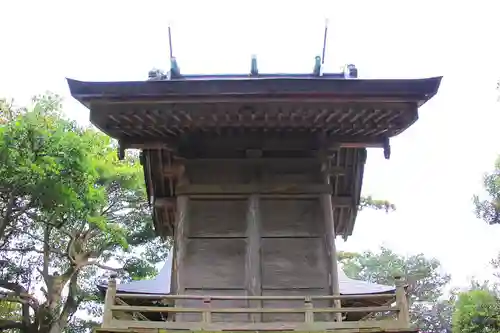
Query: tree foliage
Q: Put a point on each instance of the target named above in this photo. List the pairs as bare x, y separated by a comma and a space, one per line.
68, 206
477, 311
425, 281
377, 204
487, 207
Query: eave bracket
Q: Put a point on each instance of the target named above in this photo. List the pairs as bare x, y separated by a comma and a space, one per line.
121, 151
387, 148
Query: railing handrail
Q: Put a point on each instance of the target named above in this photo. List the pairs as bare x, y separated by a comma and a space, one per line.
176, 309
261, 298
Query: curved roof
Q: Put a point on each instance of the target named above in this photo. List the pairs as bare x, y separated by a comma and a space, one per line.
160, 285
167, 110
419, 90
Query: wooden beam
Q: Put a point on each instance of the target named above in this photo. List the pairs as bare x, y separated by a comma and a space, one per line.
326, 203
369, 326
170, 297
337, 202
139, 144
252, 260
257, 142
156, 309
381, 102
180, 240
295, 142
248, 189
289, 162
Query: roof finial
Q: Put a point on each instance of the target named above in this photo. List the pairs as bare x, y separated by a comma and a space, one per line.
174, 67
320, 60
254, 70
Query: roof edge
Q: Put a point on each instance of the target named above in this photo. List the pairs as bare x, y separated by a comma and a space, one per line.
419, 89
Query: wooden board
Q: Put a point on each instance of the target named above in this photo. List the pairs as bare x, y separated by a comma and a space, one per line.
215, 263
217, 218
293, 263
291, 218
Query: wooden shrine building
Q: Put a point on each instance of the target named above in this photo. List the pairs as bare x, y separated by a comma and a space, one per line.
254, 176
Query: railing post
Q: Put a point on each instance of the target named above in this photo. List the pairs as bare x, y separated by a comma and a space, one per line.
109, 302
402, 302
309, 314
207, 311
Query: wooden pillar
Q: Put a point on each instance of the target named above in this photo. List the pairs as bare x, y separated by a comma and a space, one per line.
253, 282
109, 301
331, 250
180, 236
180, 242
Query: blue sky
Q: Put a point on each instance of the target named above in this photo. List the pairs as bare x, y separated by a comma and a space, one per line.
435, 167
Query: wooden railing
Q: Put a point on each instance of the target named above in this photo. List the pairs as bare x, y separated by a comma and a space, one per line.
119, 315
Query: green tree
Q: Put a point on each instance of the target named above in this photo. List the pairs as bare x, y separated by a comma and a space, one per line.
425, 280
487, 207
68, 207
9, 312
377, 204
477, 311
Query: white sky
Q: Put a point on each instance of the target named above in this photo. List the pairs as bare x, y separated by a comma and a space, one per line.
436, 166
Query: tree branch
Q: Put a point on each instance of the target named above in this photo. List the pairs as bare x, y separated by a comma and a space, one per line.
13, 286
8, 212
23, 250
101, 266
10, 324
19, 294
72, 302
46, 250
45, 243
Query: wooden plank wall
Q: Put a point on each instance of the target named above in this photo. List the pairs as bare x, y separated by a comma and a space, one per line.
252, 245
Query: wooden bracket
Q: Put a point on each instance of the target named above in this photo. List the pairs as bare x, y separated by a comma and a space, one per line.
387, 149
121, 151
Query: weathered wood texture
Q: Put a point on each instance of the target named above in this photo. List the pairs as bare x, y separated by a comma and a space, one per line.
253, 245
280, 174
234, 305
253, 276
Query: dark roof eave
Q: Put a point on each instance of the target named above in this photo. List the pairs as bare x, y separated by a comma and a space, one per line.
419, 90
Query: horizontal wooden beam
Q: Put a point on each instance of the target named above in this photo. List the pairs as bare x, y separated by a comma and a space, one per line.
173, 297
156, 309
374, 102
249, 189
177, 167
157, 145
368, 326
337, 201
246, 142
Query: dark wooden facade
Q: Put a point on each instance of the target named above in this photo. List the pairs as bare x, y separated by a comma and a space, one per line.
255, 178
240, 231
218, 121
